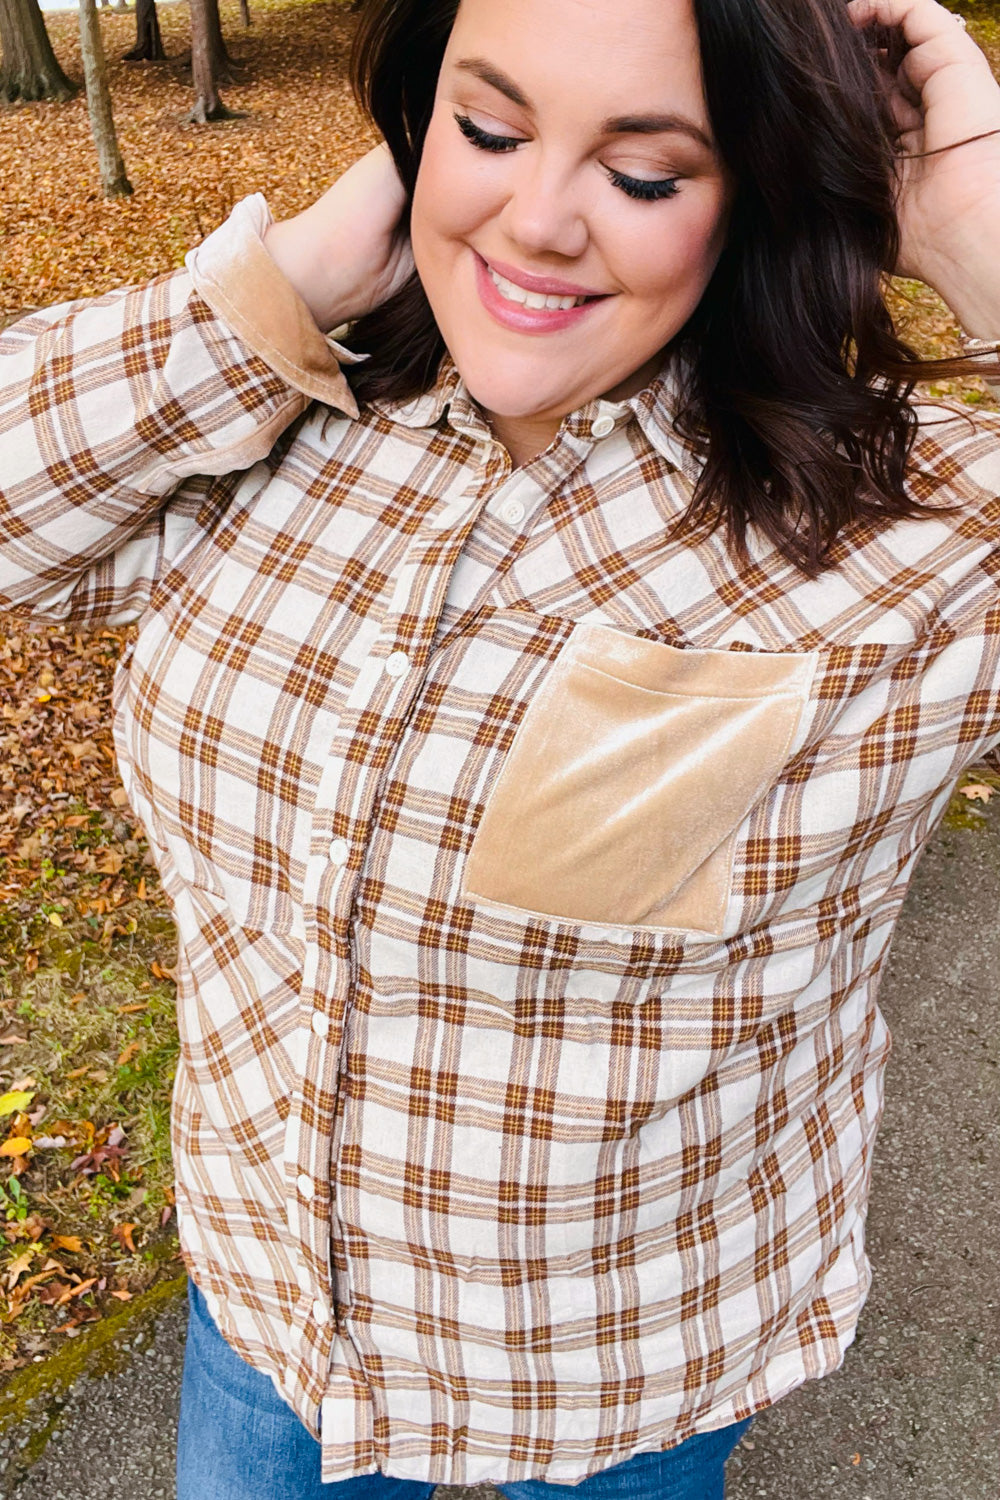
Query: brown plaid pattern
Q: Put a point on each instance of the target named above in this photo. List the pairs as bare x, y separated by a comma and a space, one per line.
490, 1194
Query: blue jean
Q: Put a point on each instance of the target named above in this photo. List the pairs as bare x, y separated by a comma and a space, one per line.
238, 1440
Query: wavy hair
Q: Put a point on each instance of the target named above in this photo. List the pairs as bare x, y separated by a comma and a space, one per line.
795, 388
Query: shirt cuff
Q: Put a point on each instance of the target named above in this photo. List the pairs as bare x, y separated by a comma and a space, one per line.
233, 272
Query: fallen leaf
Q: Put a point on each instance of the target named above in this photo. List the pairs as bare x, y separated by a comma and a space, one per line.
40, 1276
81, 749
17, 1145
123, 1234
78, 1291
55, 919
127, 1053
78, 1072
130, 1010
14, 1101
976, 792
17, 1267
11, 1040
70, 1242
53, 1292
122, 1295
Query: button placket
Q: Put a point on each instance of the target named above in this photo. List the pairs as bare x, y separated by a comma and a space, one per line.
383, 686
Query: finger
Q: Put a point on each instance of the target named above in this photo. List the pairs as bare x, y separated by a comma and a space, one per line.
919, 20
929, 58
905, 115
958, 98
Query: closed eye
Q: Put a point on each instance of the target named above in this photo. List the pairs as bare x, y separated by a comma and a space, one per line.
642, 189
483, 138
645, 189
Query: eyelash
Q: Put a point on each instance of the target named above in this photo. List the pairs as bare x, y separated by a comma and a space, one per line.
634, 187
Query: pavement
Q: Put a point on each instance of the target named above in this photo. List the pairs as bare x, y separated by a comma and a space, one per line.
915, 1411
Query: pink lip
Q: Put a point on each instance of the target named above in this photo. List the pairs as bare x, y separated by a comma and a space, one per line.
521, 319
548, 286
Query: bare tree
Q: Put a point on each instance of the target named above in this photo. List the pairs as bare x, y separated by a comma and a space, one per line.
95, 71
148, 41
29, 69
210, 63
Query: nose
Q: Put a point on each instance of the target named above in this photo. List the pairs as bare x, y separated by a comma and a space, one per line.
545, 212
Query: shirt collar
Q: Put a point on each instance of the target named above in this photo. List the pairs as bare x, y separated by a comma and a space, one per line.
653, 408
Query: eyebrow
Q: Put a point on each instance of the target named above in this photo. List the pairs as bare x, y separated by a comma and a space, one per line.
656, 124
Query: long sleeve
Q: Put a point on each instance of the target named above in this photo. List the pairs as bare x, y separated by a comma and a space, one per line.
108, 405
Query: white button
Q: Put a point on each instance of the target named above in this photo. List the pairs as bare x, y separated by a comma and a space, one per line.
338, 851
304, 1183
512, 512
398, 664
320, 1024
601, 426
321, 1313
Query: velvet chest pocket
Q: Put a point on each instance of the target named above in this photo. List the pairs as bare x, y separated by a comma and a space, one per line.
630, 774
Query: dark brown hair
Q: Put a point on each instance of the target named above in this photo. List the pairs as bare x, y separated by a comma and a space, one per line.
795, 388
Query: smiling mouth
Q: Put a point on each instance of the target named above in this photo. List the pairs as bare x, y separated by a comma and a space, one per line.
511, 292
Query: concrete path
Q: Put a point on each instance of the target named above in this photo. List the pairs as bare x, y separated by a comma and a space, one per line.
915, 1410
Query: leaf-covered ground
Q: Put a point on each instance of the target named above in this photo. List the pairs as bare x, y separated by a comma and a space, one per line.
62, 239
87, 1032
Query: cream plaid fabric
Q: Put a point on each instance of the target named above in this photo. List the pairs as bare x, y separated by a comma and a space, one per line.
533, 875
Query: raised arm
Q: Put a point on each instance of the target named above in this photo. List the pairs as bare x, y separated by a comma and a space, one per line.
108, 405
946, 105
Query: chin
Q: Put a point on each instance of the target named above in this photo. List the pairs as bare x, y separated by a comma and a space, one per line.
516, 391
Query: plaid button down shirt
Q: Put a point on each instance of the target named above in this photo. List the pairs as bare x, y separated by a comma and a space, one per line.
533, 874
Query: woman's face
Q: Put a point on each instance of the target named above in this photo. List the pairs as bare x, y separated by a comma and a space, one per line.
570, 206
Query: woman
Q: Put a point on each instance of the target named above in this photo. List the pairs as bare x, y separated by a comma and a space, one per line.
538, 708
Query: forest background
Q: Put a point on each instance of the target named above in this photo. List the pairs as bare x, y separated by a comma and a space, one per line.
88, 1037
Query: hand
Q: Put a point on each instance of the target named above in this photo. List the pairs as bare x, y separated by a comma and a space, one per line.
348, 252
944, 92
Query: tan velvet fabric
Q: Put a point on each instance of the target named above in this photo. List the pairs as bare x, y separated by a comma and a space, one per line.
243, 286
628, 777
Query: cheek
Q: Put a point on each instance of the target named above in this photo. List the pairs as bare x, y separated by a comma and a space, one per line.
674, 265
452, 196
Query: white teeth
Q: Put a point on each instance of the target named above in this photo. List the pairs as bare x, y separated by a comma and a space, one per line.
514, 293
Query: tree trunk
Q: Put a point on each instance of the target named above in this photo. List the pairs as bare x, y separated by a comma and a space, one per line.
221, 61
245, 12
95, 72
209, 61
148, 41
29, 69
